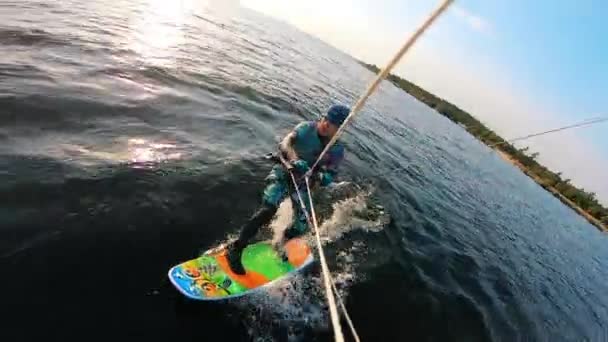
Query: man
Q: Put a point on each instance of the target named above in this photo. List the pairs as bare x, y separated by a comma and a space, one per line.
301, 147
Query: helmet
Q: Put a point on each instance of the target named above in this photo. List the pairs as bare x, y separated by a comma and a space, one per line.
336, 114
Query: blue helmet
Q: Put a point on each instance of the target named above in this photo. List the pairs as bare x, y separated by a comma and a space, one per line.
336, 114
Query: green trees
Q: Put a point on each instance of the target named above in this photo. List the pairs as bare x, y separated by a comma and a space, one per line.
545, 177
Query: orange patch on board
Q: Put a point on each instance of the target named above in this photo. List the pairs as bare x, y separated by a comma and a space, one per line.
297, 251
250, 279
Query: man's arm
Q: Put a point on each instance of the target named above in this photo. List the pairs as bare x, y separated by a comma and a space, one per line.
286, 146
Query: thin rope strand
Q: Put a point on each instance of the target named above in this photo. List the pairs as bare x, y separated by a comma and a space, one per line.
335, 319
580, 124
337, 294
345, 312
331, 301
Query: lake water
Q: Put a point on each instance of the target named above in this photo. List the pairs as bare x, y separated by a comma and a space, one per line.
131, 134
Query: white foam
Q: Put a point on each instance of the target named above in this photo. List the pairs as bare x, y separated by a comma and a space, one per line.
281, 221
297, 304
343, 218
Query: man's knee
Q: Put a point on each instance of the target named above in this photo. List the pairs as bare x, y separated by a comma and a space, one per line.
298, 227
266, 212
273, 194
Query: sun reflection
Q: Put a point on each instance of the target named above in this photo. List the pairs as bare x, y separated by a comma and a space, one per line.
142, 151
137, 152
159, 30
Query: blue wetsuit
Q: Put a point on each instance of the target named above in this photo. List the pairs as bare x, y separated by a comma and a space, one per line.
308, 146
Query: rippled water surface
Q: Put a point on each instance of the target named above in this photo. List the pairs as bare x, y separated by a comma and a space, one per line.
130, 140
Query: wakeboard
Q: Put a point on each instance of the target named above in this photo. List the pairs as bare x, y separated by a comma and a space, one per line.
210, 278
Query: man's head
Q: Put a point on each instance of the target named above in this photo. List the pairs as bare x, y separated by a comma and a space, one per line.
330, 122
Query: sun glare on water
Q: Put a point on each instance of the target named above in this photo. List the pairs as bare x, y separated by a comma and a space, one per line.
162, 26
136, 152
142, 151
160, 29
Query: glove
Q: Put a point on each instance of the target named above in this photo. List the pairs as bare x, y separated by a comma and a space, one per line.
300, 165
325, 178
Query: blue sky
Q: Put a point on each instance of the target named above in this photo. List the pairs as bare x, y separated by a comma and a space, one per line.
556, 49
520, 66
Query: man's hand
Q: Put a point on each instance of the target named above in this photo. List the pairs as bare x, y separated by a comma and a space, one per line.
286, 146
325, 178
300, 165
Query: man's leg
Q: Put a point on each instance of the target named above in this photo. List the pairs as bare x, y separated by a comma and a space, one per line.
299, 225
260, 218
274, 193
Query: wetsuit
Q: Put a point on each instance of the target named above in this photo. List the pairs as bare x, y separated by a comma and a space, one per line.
308, 145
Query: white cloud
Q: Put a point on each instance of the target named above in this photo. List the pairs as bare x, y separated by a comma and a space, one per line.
476, 22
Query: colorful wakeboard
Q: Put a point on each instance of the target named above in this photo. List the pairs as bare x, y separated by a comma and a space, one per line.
209, 277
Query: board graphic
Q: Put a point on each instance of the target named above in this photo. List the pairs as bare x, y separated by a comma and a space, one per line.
209, 277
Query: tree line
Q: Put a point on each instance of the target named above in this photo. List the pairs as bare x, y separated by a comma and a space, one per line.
548, 179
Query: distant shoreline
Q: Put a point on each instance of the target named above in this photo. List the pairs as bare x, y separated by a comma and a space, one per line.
553, 191
582, 202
